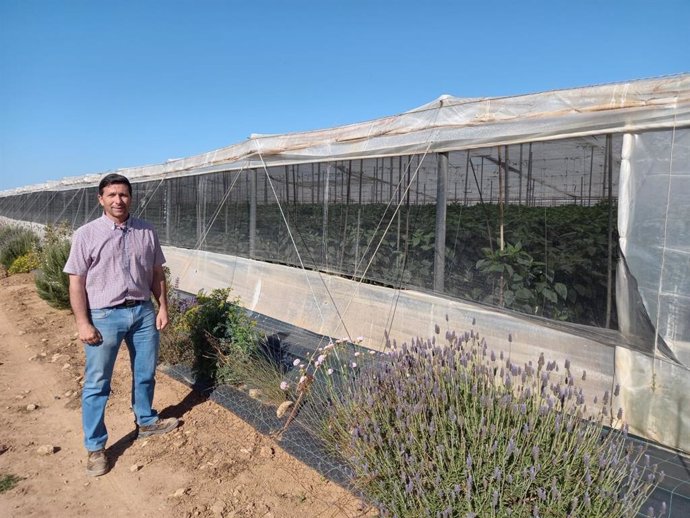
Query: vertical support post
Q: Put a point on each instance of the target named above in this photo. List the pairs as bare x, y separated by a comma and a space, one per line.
609, 268
252, 213
440, 236
200, 204
591, 169
318, 183
390, 182
506, 178
86, 206
501, 197
226, 206
265, 175
529, 187
324, 221
467, 177
606, 168
481, 177
416, 189
399, 190
520, 177
168, 207
361, 179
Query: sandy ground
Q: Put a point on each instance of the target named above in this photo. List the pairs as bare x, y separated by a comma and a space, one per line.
214, 465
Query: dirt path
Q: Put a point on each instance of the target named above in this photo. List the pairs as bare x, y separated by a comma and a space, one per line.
214, 465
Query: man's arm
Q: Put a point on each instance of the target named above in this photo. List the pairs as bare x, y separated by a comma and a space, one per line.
160, 292
77, 298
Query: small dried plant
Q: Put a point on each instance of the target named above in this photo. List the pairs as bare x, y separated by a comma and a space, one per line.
455, 429
321, 380
175, 342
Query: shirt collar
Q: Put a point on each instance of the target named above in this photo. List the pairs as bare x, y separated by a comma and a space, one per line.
114, 226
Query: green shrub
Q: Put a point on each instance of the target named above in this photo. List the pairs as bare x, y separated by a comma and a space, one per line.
218, 327
455, 430
25, 263
14, 243
52, 284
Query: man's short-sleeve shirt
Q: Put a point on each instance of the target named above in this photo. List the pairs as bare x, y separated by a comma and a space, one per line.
117, 261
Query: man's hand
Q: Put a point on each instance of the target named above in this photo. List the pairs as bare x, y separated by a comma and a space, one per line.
162, 318
77, 298
89, 334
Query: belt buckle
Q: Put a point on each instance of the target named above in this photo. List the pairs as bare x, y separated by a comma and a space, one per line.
130, 303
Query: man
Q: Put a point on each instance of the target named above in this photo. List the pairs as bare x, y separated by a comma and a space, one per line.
114, 265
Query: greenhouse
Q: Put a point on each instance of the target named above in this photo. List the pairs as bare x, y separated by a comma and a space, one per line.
555, 222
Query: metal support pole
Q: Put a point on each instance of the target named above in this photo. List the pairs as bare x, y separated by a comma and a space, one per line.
168, 207
440, 237
609, 268
324, 222
252, 213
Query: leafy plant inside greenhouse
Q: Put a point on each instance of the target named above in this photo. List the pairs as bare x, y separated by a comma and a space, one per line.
457, 429
562, 261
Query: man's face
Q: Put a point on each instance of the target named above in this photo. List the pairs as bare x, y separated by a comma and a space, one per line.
115, 201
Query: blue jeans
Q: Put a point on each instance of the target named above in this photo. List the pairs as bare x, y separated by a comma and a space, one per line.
137, 327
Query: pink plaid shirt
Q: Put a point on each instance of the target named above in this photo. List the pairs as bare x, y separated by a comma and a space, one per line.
117, 261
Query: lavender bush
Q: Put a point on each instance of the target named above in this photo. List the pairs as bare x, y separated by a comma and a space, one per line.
459, 430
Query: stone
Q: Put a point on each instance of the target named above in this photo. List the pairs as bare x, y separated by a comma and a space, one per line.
44, 340
267, 452
31, 407
135, 467
255, 393
218, 508
180, 492
46, 449
66, 366
283, 408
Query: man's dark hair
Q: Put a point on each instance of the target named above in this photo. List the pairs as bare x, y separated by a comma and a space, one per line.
113, 178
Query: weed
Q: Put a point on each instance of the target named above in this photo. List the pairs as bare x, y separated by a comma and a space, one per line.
8, 482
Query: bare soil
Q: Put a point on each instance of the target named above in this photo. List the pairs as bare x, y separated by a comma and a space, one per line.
213, 465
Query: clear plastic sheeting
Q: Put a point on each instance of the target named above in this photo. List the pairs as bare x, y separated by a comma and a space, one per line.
654, 213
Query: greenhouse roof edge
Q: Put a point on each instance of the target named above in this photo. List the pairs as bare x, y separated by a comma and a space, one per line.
447, 123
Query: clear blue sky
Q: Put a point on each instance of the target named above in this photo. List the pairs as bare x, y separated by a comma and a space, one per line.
89, 86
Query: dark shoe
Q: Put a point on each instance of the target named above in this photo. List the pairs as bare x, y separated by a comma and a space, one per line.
159, 427
97, 464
